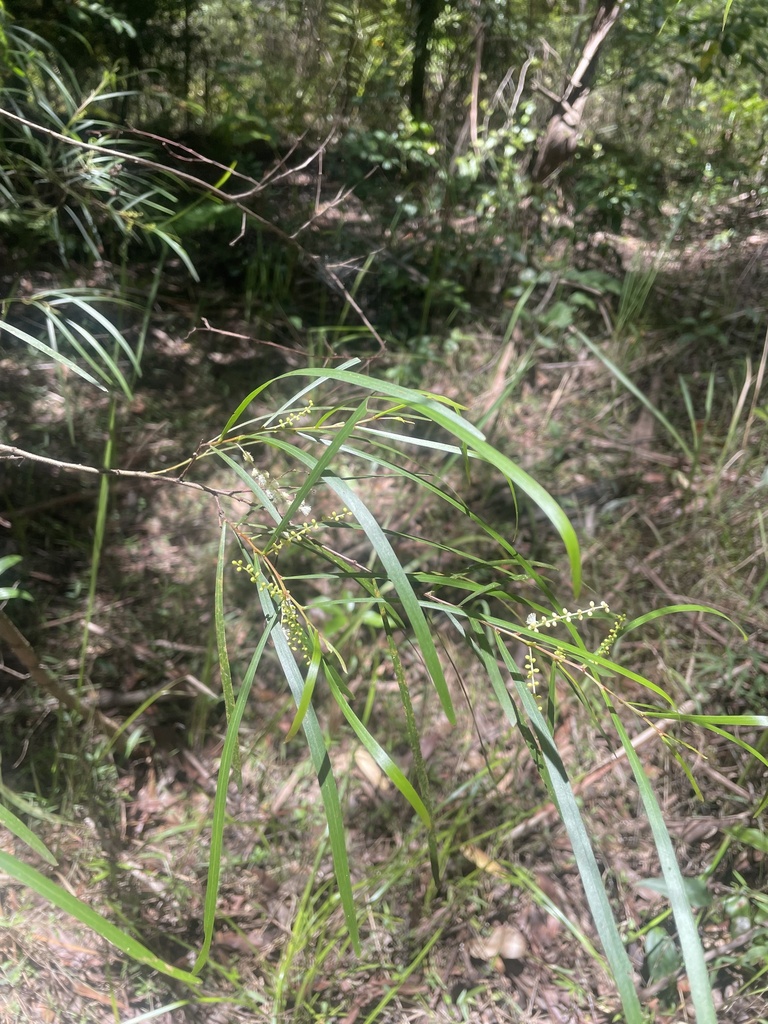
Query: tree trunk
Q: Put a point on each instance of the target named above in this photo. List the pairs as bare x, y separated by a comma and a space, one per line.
562, 132
426, 16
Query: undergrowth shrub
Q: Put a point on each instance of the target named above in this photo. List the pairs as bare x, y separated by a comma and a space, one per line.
316, 503
303, 472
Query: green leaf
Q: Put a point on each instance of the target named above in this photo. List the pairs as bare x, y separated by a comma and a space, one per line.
550, 765
673, 609
175, 246
690, 943
52, 353
71, 905
442, 412
374, 748
11, 593
221, 644
26, 835
322, 765
661, 954
696, 890
749, 836
591, 876
229, 754
309, 687
398, 577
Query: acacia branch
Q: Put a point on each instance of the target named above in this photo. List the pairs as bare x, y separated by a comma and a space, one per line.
8, 451
325, 274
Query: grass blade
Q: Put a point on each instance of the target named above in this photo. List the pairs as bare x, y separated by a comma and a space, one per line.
633, 389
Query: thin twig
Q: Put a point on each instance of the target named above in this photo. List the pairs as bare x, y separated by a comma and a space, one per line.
8, 451
326, 275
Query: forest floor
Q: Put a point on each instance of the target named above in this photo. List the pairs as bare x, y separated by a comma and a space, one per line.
507, 937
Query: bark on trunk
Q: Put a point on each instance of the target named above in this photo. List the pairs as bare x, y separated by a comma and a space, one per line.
564, 127
426, 16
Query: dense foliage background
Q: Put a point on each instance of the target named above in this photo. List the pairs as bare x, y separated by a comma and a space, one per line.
341, 293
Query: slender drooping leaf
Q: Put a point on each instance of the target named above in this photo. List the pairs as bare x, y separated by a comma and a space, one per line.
59, 897
405, 592
688, 935
221, 643
374, 748
591, 876
321, 763
228, 755
439, 411
26, 835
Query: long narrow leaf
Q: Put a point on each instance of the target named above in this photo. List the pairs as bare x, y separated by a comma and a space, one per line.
673, 609
320, 467
40, 346
228, 755
405, 592
90, 310
437, 410
633, 389
57, 328
374, 748
690, 942
71, 905
26, 835
591, 877
309, 688
322, 765
117, 375
225, 671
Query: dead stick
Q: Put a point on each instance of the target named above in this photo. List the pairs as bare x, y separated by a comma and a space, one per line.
23, 650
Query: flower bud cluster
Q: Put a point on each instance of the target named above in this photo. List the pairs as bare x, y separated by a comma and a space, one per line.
536, 624
578, 615
609, 641
299, 533
293, 417
290, 619
294, 631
